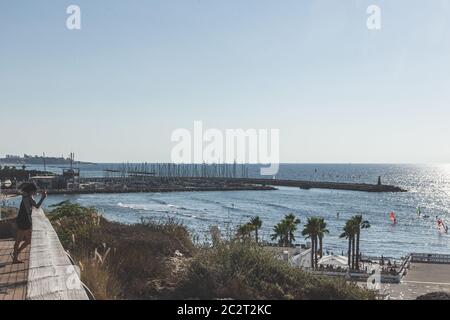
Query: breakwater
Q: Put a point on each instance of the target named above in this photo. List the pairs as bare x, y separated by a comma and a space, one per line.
325, 185
134, 184
160, 189
165, 184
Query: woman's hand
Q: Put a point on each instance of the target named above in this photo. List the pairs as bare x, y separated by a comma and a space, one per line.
44, 194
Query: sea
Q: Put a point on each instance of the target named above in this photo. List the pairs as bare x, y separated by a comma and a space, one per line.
428, 188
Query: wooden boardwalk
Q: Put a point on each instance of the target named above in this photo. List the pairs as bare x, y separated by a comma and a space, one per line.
13, 277
47, 272
51, 274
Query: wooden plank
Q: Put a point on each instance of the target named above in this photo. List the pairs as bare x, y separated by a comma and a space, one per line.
13, 277
51, 275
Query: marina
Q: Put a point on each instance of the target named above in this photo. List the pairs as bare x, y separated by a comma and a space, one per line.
166, 177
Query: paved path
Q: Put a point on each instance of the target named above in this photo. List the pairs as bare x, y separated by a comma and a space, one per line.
422, 278
13, 277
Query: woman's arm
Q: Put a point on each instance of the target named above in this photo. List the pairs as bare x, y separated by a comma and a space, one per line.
38, 205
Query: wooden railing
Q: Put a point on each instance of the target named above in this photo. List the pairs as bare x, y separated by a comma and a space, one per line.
51, 275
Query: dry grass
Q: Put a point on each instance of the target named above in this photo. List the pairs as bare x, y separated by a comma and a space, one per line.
120, 261
100, 279
236, 270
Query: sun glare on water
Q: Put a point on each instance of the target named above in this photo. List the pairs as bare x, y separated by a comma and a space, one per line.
445, 177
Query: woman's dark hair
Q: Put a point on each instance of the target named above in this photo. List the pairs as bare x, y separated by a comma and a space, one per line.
28, 187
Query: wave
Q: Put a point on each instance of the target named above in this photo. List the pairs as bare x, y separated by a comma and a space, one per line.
206, 200
235, 209
221, 204
172, 209
278, 206
132, 206
147, 208
158, 201
259, 202
177, 207
141, 207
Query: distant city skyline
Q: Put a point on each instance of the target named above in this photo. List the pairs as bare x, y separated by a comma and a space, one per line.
66, 156
115, 90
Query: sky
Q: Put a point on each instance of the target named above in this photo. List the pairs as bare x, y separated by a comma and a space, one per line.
115, 90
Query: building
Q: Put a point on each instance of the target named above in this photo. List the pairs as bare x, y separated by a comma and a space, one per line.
50, 182
43, 182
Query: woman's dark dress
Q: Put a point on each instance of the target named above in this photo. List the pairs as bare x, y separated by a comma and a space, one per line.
24, 221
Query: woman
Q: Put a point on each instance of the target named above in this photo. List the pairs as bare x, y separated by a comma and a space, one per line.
24, 222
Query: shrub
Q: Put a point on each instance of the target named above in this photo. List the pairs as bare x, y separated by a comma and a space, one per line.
244, 271
435, 296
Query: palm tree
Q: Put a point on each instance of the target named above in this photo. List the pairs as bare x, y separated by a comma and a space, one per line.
349, 233
256, 223
322, 232
280, 231
353, 245
285, 229
292, 223
311, 231
244, 232
360, 224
